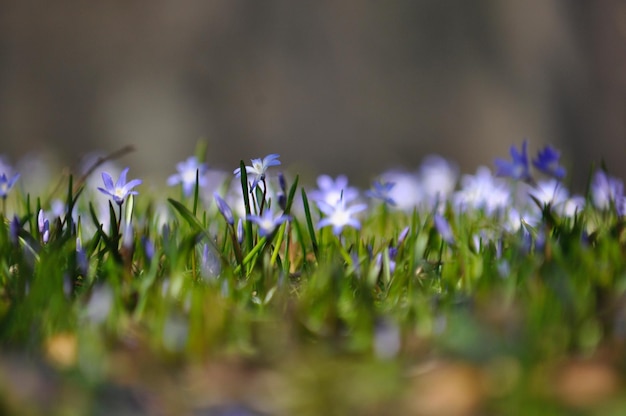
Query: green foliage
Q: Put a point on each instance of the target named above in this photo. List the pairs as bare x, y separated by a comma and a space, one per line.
368, 307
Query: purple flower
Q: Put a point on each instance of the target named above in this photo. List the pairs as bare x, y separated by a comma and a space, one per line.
186, 175
266, 222
224, 209
438, 178
407, 192
607, 191
128, 237
547, 161
5, 166
14, 230
403, 234
518, 168
482, 191
121, 189
282, 195
239, 231
551, 192
258, 168
82, 262
6, 184
573, 205
148, 247
339, 215
331, 191
380, 190
443, 228
282, 182
387, 339
44, 226
210, 262
393, 251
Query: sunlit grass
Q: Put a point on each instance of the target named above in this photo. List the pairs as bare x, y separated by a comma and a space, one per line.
451, 302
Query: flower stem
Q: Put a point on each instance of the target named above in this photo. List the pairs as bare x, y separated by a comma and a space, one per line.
264, 196
119, 220
236, 246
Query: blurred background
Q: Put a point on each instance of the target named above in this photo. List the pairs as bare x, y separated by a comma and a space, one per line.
352, 87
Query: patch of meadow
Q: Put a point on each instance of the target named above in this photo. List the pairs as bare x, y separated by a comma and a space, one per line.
250, 292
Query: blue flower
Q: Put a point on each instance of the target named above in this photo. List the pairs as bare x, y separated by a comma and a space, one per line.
224, 209
547, 161
403, 235
121, 189
259, 168
407, 192
380, 190
443, 228
44, 226
393, 251
14, 230
266, 222
282, 195
331, 191
518, 168
6, 184
437, 178
210, 262
482, 191
187, 175
550, 191
339, 216
607, 191
239, 231
82, 262
148, 247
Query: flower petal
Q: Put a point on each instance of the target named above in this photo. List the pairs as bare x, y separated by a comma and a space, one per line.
121, 181
108, 182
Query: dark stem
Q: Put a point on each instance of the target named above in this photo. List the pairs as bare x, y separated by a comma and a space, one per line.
236, 246
119, 221
101, 160
264, 196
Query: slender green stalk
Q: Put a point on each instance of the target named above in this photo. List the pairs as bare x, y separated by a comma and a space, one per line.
263, 197
195, 193
278, 243
246, 201
309, 224
252, 254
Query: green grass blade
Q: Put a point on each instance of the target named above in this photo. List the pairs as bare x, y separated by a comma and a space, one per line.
246, 202
309, 223
195, 224
196, 189
292, 194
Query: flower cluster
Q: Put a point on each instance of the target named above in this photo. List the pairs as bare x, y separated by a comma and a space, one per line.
546, 161
93, 266
436, 191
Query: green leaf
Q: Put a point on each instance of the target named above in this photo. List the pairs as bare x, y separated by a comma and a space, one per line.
195, 224
309, 223
292, 194
130, 205
196, 190
252, 254
246, 202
